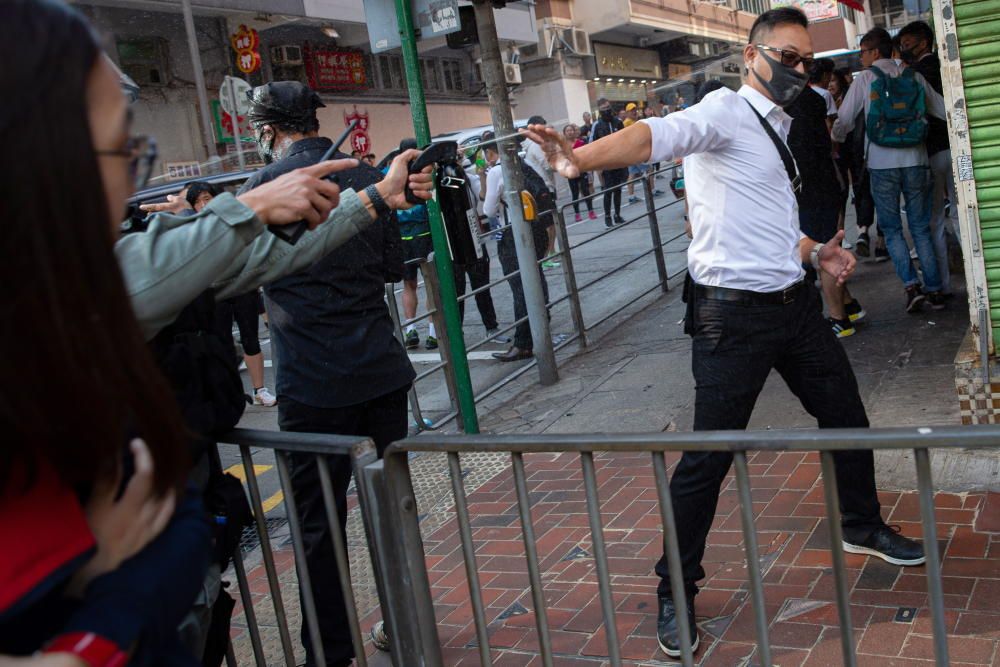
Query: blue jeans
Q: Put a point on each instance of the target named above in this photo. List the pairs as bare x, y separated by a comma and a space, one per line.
914, 183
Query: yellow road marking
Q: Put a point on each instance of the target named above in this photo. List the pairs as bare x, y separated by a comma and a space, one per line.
239, 472
273, 502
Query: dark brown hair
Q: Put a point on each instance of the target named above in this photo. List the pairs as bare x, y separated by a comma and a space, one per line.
77, 377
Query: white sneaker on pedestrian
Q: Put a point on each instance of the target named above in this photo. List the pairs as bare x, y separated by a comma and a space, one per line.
379, 636
264, 397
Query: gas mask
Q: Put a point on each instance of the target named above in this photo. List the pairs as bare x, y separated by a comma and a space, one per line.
265, 145
785, 85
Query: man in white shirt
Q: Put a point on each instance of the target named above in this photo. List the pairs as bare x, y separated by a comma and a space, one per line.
535, 158
752, 312
896, 171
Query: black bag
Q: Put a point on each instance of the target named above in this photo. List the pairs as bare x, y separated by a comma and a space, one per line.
202, 369
545, 202
226, 502
458, 211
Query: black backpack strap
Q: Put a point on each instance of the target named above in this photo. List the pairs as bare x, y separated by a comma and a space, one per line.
786, 155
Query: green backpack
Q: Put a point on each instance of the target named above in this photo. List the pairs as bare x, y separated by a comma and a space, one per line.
897, 116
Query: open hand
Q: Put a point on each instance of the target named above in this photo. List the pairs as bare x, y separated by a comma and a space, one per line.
557, 148
303, 194
174, 204
836, 261
392, 186
123, 527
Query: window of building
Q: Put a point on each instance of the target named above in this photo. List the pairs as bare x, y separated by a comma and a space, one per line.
144, 60
429, 75
390, 71
451, 76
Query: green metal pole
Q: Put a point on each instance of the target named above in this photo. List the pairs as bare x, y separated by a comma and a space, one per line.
442, 255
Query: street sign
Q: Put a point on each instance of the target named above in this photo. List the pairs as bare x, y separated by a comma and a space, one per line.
433, 18
242, 102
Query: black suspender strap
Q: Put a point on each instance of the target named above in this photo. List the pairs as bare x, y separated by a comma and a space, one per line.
783, 152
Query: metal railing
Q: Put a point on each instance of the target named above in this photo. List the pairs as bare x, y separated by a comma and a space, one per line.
388, 490
361, 452
571, 296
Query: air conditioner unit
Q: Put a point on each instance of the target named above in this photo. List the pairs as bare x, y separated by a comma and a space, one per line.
512, 74
577, 41
546, 41
286, 55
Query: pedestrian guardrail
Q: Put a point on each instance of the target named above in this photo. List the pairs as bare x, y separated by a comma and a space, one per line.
320, 446
571, 296
388, 490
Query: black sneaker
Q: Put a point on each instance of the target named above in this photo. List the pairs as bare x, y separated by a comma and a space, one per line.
619, 220
886, 543
855, 311
431, 343
881, 253
937, 300
667, 631
841, 328
412, 340
914, 299
862, 245
607, 221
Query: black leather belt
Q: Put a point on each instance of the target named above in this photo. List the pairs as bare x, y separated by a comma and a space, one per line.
783, 297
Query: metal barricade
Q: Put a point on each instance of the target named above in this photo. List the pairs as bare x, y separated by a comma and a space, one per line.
388, 488
572, 296
282, 443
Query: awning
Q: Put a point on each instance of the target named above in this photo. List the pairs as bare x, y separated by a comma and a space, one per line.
856, 5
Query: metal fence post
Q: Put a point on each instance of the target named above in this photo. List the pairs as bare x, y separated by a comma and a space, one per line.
433, 285
404, 589
654, 232
569, 274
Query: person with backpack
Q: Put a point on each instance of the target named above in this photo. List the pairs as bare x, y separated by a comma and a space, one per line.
896, 103
493, 205
610, 178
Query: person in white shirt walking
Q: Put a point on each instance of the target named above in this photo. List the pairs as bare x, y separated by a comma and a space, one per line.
895, 171
535, 158
752, 311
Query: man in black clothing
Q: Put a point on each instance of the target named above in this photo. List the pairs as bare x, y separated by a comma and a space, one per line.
819, 198
607, 124
339, 367
917, 50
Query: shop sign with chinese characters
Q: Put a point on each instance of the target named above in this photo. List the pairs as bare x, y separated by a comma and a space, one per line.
246, 43
335, 70
625, 62
815, 10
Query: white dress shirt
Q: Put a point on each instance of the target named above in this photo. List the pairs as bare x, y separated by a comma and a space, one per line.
831, 104
494, 192
743, 213
858, 98
535, 157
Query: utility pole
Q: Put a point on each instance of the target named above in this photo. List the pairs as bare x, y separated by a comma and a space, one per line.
503, 125
442, 254
199, 84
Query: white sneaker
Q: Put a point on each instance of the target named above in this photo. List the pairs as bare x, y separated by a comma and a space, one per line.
264, 397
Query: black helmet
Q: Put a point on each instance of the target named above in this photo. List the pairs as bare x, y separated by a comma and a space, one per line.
286, 103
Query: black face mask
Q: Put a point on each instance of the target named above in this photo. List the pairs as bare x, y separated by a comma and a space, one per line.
607, 115
908, 56
785, 85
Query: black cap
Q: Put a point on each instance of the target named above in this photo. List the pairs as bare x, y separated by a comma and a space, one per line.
407, 144
286, 103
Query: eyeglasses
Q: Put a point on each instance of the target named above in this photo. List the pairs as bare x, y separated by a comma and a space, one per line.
789, 58
141, 154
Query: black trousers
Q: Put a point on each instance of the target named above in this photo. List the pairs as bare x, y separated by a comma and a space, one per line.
611, 179
580, 186
383, 419
864, 202
508, 261
479, 275
245, 309
735, 346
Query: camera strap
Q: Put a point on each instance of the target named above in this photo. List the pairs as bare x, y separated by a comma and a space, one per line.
786, 155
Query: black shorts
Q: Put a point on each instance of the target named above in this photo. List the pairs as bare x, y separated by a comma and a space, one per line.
417, 248
243, 309
820, 223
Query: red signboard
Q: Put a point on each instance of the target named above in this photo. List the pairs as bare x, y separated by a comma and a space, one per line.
245, 42
335, 70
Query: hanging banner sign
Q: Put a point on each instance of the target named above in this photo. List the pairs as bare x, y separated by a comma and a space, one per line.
359, 138
246, 42
335, 70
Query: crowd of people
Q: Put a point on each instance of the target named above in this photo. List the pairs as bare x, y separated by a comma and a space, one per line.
119, 562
